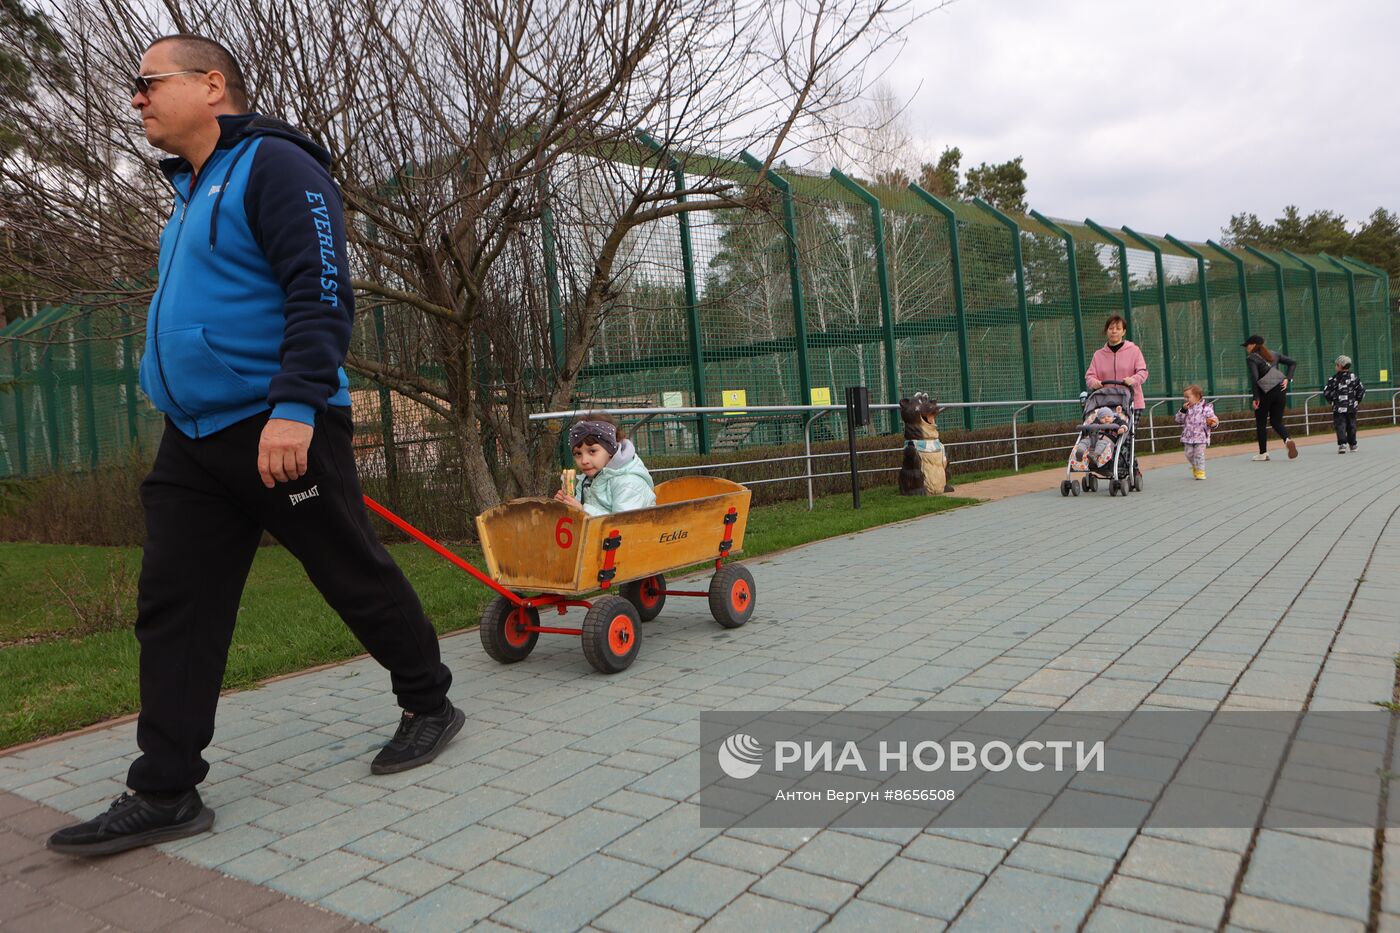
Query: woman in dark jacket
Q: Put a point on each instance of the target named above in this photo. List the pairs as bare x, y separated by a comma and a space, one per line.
1274, 371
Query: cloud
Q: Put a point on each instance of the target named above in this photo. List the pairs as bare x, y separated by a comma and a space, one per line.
1165, 117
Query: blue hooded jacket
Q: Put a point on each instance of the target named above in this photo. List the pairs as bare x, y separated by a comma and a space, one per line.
253, 307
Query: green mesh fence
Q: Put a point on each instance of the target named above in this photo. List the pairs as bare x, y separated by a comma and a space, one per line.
760, 314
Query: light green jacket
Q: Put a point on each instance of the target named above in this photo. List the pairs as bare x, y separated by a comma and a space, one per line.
624, 484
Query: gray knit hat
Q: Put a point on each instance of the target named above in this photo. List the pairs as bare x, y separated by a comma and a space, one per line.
1344, 361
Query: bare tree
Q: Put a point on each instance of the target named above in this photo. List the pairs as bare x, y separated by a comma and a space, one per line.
456, 126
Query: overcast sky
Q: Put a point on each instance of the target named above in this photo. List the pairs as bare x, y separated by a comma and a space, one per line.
1168, 117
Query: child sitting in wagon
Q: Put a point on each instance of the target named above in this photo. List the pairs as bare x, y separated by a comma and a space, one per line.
614, 477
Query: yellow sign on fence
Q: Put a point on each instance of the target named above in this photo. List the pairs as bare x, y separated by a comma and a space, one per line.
821, 396
735, 398
1385, 375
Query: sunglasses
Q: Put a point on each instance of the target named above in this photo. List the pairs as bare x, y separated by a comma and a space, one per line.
141, 84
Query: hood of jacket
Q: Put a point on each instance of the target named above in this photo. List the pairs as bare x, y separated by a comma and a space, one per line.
235, 129
623, 484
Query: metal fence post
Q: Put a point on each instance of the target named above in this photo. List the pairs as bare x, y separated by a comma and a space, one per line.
882, 272
129, 378
48, 380
1161, 303
799, 311
1122, 269
89, 402
1018, 260
1074, 304
959, 301
692, 299
1247, 328
1351, 305
1205, 308
1282, 299
21, 430
1317, 311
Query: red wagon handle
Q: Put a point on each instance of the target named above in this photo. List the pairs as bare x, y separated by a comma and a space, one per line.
412, 532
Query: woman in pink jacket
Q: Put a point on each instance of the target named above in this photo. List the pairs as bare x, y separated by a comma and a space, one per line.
1120, 360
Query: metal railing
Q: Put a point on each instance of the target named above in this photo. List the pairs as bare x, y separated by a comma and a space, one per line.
1019, 444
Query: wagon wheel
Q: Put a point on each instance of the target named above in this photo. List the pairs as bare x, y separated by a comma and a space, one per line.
502, 633
1064, 487
612, 633
647, 595
732, 595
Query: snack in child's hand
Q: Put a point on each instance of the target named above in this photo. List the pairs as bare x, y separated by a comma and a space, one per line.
568, 477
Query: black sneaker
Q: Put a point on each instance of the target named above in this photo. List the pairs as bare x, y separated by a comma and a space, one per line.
419, 739
135, 820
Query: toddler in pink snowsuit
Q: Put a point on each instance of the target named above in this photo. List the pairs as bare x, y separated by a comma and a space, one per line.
1196, 418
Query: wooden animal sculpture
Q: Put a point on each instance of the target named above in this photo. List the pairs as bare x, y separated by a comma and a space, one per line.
924, 471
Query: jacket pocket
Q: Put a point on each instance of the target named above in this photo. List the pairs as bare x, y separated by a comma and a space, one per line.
199, 382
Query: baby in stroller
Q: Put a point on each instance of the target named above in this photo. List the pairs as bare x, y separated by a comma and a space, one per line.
1098, 445
1104, 448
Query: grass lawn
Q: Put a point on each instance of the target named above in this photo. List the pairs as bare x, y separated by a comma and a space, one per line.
69, 657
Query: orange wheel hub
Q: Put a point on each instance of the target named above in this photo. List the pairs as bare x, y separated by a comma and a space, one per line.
621, 636
739, 595
515, 633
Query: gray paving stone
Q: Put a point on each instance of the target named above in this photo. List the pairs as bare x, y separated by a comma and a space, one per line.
577, 895
1193, 867
816, 891
1322, 876
751, 912
842, 856
1117, 920
1065, 863
956, 853
1253, 913
259, 866
1015, 899
446, 818
922, 888
862, 916
500, 879
741, 854
319, 877
448, 909
696, 887
386, 845
412, 876
664, 840
520, 820
633, 915
469, 847
365, 901
216, 848
570, 840
1160, 900
581, 790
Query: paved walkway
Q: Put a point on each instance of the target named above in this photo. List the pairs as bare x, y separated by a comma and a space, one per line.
568, 800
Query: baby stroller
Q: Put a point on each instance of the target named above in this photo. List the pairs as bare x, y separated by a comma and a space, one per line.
1121, 470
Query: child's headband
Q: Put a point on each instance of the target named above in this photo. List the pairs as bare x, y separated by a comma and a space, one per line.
599, 432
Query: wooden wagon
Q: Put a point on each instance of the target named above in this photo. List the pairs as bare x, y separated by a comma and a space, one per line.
546, 547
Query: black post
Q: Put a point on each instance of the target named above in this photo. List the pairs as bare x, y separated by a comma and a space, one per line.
857, 415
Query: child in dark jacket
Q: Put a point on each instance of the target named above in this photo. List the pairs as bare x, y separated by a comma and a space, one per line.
1345, 391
